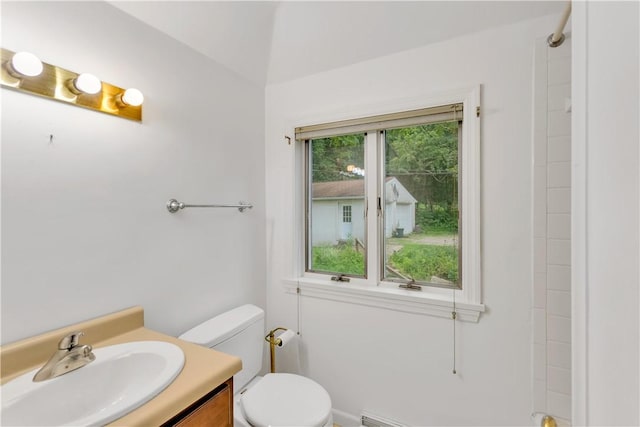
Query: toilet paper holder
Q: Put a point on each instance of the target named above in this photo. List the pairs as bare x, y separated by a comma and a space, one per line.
279, 341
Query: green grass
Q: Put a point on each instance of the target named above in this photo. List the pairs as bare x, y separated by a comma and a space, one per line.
335, 259
417, 260
424, 261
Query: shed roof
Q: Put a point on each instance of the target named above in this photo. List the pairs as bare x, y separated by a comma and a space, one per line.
354, 189
351, 188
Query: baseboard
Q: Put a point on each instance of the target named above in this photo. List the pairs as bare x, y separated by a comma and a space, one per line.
372, 420
345, 420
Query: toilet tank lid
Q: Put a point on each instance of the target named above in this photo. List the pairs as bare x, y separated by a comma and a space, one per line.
224, 326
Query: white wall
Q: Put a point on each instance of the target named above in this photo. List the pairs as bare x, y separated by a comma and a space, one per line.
84, 225
327, 220
396, 364
606, 241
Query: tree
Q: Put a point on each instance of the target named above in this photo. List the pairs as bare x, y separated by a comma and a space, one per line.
425, 159
331, 156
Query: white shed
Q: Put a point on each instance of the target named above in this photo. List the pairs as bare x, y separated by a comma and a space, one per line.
338, 210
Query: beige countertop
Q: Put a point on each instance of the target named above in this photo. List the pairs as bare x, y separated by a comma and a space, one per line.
204, 369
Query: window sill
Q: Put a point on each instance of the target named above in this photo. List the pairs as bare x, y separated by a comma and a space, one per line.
392, 299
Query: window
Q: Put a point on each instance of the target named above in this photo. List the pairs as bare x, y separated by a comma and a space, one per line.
393, 201
421, 208
346, 214
336, 192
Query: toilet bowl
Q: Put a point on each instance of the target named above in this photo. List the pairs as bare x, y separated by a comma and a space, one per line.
282, 400
278, 399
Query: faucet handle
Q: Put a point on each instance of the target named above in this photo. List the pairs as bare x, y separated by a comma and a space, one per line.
70, 341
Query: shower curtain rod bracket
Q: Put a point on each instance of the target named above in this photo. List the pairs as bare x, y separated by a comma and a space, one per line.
556, 43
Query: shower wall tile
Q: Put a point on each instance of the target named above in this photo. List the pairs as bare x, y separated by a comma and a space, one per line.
557, 95
559, 71
552, 233
559, 329
559, 354
559, 380
559, 277
559, 200
559, 405
559, 175
559, 149
558, 252
559, 226
539, 202
559, 303
559, 123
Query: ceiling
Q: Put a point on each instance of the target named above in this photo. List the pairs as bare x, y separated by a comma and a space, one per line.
271, 42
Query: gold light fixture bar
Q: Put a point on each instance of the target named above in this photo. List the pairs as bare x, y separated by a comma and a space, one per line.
57, 83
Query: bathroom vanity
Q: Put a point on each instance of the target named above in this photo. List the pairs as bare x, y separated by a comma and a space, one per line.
201, 394
214, 409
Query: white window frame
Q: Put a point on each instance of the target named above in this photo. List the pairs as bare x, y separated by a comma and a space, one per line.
369, 291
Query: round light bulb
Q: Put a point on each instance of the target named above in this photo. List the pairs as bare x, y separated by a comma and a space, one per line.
133, 97
88, 83
26, 64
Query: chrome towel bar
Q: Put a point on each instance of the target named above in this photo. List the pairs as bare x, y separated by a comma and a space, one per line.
174, 206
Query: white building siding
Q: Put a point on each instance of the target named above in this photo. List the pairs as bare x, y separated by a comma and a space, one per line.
327, 221
399, 215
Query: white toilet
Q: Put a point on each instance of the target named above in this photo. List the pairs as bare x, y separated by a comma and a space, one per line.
273, 400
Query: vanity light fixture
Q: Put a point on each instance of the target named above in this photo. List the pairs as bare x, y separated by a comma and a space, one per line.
24, 72
133, 97
86, 83
24, 64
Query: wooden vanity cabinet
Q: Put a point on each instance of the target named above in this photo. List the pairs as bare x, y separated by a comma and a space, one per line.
215, 409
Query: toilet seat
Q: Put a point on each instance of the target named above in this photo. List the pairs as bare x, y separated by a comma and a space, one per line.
286, 400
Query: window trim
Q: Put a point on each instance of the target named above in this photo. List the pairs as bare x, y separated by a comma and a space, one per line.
431, 300
422, 116
432, 304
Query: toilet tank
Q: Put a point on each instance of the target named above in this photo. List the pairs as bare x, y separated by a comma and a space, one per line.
239, 332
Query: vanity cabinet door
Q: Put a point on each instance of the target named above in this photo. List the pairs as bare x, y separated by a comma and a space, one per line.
214, 410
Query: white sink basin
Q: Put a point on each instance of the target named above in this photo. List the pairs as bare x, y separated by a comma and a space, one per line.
122, 378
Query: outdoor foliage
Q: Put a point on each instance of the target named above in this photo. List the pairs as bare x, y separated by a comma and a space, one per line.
338, 259
437, 218
331, 156
424, 261
425, 161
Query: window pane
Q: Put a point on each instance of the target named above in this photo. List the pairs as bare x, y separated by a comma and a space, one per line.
421, 236
336, 224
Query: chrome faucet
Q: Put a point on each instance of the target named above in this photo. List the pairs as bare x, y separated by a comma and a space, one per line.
70, 356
